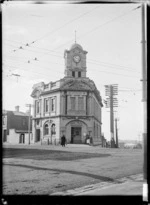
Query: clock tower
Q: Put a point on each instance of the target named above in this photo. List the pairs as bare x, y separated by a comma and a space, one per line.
75, 61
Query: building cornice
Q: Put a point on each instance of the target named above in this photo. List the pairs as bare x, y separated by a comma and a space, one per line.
85, 117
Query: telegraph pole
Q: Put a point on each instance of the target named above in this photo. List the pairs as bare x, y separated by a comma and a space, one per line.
111, 90
144, 92
116, 132
29, 105
111, 117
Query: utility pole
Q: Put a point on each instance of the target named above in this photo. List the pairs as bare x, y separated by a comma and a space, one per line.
116, 132
111, 90
144, 93
111, 117
29, 105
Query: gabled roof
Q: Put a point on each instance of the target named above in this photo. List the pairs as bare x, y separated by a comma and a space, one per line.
84, 84
77, 84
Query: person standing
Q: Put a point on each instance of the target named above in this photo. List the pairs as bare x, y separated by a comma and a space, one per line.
63, 141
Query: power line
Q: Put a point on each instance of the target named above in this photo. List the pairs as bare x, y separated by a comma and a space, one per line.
94, 69
105, 65
113, 66
117, 73
30, 70
49, 33
27, 44
99, 26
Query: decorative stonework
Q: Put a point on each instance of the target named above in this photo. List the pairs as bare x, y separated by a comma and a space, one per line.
76, 84
76, 123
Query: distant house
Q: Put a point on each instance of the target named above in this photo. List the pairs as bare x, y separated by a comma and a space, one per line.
130, 145
15, 127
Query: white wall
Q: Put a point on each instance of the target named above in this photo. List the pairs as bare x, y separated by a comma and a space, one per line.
13, 137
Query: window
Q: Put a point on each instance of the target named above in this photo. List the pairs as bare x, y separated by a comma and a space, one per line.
46, 105
73, 73
46, 129
53, 104
3, 120
79, 74
53, 129
72, 100
53, 84
80, 103
23, 122
37, 122
38, 106
46, 86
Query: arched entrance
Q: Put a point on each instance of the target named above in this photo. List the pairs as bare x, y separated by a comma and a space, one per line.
75, 130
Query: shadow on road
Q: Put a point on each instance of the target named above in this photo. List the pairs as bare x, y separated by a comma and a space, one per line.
49, 154
101, 178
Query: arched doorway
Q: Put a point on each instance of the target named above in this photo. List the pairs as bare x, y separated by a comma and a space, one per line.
75, 130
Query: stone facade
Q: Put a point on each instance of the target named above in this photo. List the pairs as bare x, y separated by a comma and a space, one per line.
70, 106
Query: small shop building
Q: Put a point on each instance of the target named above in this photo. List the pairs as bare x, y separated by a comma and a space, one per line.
15, 127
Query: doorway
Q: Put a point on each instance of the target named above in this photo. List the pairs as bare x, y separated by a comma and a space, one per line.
76, 135
38, 135
22, 138
5, 136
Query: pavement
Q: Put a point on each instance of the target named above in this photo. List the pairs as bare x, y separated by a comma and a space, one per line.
131, 185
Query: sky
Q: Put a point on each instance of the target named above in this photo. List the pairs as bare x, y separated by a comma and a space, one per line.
34, 38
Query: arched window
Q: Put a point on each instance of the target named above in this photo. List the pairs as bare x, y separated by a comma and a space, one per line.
46, 129
53, 129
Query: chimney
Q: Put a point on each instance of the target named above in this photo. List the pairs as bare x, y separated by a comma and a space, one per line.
17, 108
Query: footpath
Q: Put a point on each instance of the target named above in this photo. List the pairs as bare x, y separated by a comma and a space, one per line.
131, 185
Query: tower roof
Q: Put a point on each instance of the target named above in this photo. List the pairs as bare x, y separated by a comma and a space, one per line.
76, 45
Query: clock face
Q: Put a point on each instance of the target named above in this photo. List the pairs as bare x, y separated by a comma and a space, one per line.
76, 58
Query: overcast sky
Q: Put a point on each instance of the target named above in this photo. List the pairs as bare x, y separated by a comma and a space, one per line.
110, 33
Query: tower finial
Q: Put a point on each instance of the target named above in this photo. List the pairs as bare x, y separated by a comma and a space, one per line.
75, 36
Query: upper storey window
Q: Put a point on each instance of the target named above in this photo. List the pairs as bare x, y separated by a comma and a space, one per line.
53, 104
79, 74
80, 103
46, 105
37, 107
72, 101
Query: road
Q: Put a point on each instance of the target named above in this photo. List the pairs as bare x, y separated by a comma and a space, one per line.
45, 170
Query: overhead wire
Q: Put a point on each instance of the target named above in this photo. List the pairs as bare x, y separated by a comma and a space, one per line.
92, 68
95, 29
113, 66
47, 34
99, 26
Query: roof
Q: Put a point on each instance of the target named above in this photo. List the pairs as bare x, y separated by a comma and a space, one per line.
20, 113
75, 45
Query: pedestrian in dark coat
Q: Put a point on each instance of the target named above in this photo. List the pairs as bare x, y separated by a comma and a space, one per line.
63, 141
